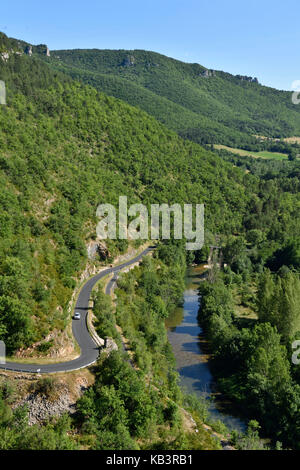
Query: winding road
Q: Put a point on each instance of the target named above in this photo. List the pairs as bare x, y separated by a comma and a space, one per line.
89, 349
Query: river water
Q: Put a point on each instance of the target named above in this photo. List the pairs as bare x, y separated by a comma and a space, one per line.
189, 346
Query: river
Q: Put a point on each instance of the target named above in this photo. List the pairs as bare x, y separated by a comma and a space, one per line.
188, 343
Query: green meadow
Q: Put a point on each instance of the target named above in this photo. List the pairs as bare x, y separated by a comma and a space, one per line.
246, 153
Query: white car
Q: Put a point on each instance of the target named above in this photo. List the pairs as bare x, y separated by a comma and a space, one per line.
76, 316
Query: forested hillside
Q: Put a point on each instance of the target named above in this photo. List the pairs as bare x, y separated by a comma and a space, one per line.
205, 106
65, 148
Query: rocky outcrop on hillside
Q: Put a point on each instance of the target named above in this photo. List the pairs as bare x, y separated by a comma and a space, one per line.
208, 73
129, 61
40, 408
28, 50
110, 346
43, 405
245, 78
97, 248
4, 56
41, 49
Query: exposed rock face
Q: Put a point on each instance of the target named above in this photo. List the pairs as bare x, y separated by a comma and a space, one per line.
247, 79
42, 49
95, 248
208, 73
4, 56
129, 61
110, 345
92, 249
40, 408
102, 251
28, 50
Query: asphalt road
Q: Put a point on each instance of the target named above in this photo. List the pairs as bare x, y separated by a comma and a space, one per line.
89, 350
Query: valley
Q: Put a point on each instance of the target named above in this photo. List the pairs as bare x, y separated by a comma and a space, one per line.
83, 127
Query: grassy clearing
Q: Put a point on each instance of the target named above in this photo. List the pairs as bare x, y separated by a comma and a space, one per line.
292, 140
289, 140
246, 153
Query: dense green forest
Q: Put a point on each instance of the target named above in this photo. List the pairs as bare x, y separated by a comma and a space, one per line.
135, 401
250, 310
66, 147
202, 105
142, 395
133, 404
252, 352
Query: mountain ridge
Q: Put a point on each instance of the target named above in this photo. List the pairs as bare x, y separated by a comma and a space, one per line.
218, 107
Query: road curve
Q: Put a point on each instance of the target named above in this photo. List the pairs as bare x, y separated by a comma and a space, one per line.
89, 349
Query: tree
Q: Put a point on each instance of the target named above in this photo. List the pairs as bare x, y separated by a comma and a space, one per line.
278, 302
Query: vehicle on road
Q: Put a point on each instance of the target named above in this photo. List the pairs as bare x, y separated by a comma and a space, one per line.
89, 350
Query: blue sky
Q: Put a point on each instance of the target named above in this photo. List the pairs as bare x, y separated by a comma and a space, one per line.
254, 37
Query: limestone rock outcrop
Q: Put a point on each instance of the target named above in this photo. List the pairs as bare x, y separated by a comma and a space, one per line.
129, 61
208, 73
28, 50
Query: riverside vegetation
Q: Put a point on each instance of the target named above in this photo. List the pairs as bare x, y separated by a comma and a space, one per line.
66, 147
251, 315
